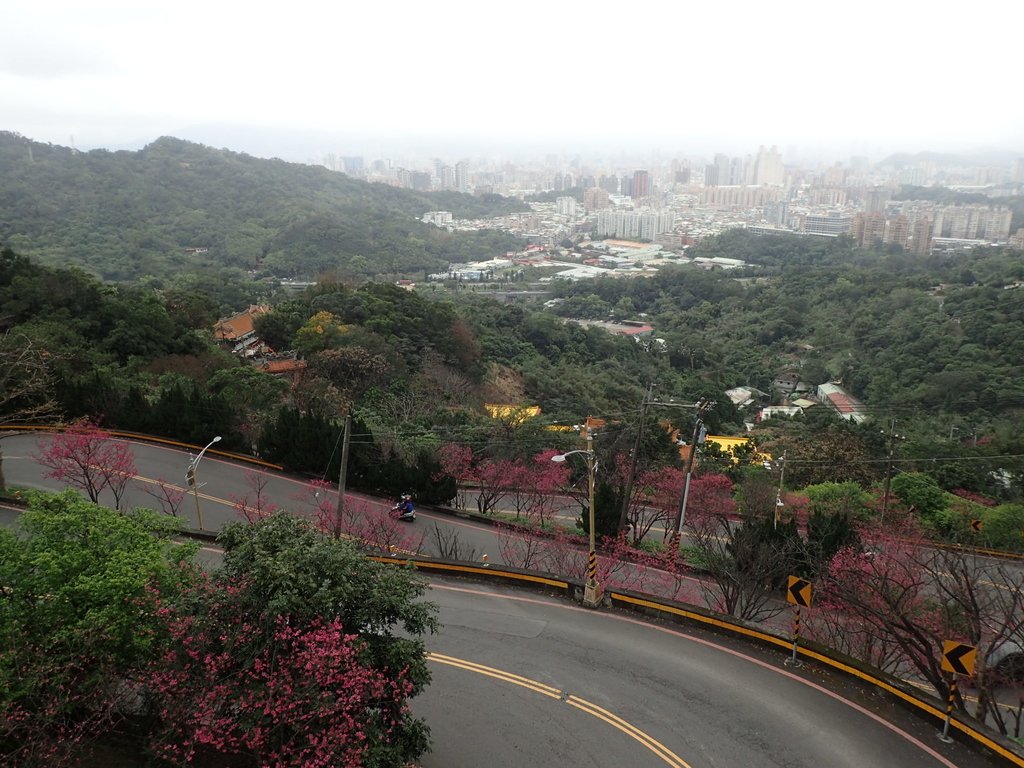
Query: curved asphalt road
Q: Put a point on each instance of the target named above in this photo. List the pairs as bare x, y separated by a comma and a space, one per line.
526, 680
224, 482
627, 692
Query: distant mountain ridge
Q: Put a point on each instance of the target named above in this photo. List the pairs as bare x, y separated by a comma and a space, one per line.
175, 205
994, 157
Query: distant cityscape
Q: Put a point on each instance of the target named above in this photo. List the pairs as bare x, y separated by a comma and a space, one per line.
674, 203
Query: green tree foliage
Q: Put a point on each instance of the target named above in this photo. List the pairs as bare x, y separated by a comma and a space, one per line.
830, 499
1003, 526
828, 533
291, 571
607, 507
303, 442
174, 204
375, 466
78, 620
920, 492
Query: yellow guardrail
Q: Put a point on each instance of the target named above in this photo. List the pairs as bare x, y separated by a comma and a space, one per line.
824, 658
692, 614
475, 570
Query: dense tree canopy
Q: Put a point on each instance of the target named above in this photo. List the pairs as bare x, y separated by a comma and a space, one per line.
297, 651
176, 207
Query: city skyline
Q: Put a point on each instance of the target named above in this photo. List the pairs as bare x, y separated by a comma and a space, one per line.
446, 78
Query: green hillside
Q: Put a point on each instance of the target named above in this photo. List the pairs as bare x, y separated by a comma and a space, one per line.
123, 215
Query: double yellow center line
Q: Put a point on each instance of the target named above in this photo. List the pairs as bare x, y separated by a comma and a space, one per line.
659, 749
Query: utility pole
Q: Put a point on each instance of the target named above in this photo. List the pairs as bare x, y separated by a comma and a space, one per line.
624, 514
778, 495
592, 591
888, 468
703, 406
339, 511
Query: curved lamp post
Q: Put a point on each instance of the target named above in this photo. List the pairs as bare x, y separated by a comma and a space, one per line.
190, 477
592, 591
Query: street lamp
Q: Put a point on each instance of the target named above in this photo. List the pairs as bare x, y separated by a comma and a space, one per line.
592, 590
190, 477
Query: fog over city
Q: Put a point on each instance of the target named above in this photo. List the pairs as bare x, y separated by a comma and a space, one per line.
822, 82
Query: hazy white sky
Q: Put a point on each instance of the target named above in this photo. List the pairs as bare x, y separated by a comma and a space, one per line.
866, 76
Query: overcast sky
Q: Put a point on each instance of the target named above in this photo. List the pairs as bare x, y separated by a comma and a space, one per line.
867, 77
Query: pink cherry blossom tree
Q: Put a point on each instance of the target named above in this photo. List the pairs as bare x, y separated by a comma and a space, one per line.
89, 458
896, 602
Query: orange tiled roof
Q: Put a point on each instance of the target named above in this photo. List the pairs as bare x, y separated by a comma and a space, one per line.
237, 326
282, 366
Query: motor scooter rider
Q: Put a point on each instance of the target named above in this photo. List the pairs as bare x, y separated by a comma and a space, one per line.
407, 507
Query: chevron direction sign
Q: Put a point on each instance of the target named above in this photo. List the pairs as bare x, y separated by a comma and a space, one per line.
976, 525
958, 658
798, 591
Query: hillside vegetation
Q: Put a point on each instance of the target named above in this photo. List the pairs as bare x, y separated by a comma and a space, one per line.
910, 336
125, 215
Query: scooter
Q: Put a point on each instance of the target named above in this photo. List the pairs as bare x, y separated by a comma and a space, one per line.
398, 512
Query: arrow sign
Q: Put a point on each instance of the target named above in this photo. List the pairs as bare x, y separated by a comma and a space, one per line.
798, 591
958, 658
975, 525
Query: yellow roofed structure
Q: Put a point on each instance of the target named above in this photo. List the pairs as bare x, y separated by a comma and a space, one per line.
729, 444
514, 414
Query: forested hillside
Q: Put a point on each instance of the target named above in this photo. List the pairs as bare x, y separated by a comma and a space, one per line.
125, 215
934, 345
940, 336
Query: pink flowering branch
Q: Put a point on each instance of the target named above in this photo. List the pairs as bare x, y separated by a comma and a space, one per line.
90, 459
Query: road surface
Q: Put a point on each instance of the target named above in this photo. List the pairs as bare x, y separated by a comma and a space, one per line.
527, 680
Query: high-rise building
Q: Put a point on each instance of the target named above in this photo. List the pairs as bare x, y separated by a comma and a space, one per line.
566, 206
724, 166
353, 166
462, 176
446, 177
641, 184
633, 225
897, 231
868, 229
875, 200
741, 171
994, 224
711, 175
920, 243
776, 213
595, 198
768, 168
832, 224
